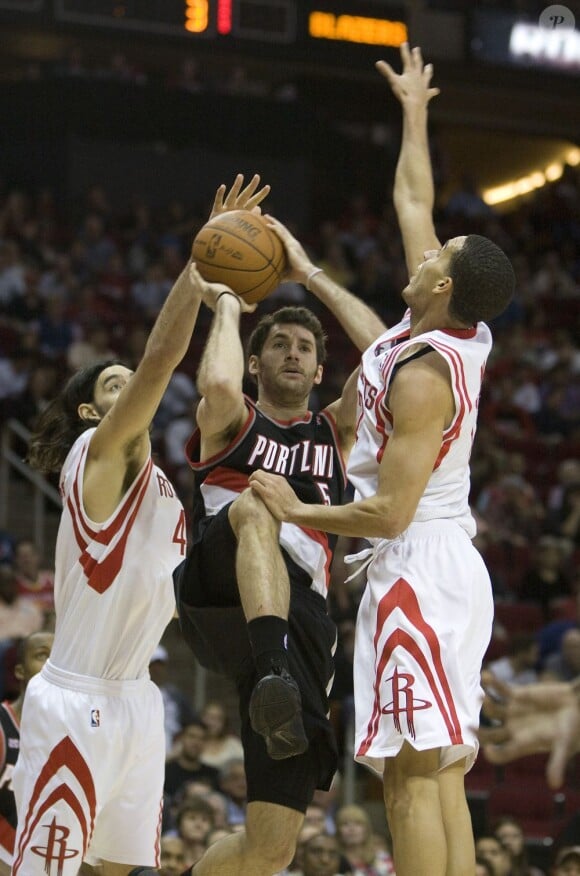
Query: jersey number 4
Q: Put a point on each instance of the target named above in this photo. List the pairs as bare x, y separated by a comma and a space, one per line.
180, 534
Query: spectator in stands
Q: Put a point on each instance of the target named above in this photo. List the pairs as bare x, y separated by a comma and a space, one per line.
15, 369
321, 856
178, 712
328, 801
94, 346
24, 311
505, 412
177, 399
98, 246
491, 850
188, 78
518, 666
551, 279
40, 389
307, 831
567, 475
194, 822
564, 665
567, 862
315, 817
483, 867
546, 582
234, 787
467, 201
56, 331
550, 636
19, 618
34, 583
511, 835
31, 654
150, 293
186, 766
172, 855
220, 745
565, 521
355, 841
12, 271
7, 543
511, 509
219, 804
134, 343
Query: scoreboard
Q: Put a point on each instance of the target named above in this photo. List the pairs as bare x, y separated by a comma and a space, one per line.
301, 29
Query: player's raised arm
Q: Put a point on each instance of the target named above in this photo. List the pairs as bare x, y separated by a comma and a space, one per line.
360, 323
413, 192
222, 409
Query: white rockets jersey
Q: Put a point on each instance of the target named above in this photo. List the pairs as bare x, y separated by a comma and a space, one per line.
465, 351
113, 581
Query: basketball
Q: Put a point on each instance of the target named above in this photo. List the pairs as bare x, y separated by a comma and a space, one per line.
237, 248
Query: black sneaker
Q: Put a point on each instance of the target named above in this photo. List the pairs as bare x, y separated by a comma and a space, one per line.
276, 714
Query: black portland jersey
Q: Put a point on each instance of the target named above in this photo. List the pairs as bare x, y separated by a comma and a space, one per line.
9, 748
305, 451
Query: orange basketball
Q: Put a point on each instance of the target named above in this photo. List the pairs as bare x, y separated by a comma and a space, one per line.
237, 248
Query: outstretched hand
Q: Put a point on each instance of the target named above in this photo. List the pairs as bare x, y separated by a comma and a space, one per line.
533, 718
298, 264
210, 292
276, 493
238, 198
412, 86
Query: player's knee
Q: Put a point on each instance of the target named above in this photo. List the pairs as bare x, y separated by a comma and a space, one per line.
405, 793
249, 510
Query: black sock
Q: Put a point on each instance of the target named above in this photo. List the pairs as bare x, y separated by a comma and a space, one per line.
269, 641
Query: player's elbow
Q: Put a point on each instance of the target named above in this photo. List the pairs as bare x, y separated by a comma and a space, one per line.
391, 520
219, 386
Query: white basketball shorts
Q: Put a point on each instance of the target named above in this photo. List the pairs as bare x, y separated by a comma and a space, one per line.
423, 627
89, 776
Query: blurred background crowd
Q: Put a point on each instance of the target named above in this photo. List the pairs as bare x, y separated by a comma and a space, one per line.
83, 274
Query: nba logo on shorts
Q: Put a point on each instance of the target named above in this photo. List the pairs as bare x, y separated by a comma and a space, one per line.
95, 718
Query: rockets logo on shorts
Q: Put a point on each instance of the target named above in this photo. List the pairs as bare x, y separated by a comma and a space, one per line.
56, 849
95, 718
404, 702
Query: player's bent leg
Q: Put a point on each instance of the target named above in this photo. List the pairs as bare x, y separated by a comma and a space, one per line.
275, 707
265, 847
260, 568
411, 791
456, 820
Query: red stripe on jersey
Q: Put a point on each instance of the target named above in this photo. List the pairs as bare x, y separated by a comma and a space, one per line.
7, 835
402, 596
459, 382
320, 538
458, 369
101, 573
461, 333
194, 443
158, 835
65, 755
382, 416
228, 478
105, 535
